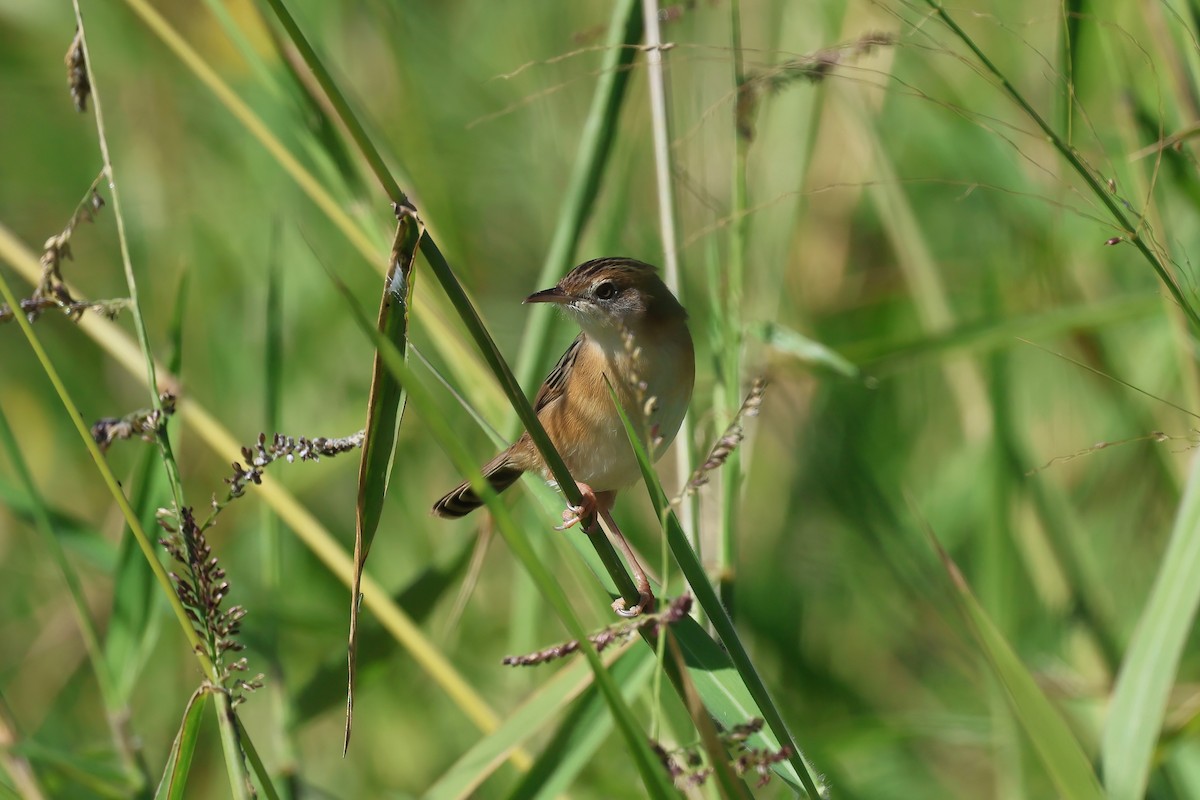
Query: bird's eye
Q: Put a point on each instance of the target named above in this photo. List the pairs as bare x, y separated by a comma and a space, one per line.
606, 291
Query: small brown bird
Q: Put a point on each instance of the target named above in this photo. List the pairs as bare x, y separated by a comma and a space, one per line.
634, 331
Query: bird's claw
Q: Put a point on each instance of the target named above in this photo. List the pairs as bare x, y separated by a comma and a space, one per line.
573, 515
645, 603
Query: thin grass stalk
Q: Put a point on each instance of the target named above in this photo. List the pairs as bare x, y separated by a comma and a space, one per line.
667, 212
272, 403
257, 765
1093, 182
728, 784
1157, 216
139, 321
661, 128
231, 745
245, 48
337, 100
731, 326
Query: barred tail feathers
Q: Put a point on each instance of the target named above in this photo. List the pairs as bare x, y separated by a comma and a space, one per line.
500, 472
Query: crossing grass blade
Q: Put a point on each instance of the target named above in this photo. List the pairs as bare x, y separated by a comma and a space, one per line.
1056, 745
586, 726
255, 762
1139, 701
806, 350
173, 785
527, 720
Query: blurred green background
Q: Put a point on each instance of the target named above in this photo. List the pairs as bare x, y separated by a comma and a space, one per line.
901, 210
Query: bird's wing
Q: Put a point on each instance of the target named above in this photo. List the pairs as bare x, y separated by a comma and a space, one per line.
556, 381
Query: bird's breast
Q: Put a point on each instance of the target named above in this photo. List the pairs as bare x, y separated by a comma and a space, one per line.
653, 381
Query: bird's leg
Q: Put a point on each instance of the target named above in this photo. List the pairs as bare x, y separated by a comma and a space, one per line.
586, 509
601, 503
604, 502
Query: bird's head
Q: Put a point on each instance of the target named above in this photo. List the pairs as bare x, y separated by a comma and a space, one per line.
607, 295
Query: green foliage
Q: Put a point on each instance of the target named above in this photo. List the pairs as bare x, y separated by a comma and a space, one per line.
957, 240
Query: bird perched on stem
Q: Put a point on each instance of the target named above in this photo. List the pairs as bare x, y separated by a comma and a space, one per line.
635, 333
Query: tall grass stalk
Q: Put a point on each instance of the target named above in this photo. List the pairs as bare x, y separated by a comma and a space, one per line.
660, 117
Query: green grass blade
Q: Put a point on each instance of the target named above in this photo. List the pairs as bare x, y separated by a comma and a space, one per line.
537, 710
1055, 744
342, 108
1139, 701
133, 624
706, 595
576, 740
806, 350
273, 362
83, 617
173, 785
257, 767
84, 541
385, 410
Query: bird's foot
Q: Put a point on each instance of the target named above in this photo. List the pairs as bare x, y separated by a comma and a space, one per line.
585, 511
645, 601
645, 604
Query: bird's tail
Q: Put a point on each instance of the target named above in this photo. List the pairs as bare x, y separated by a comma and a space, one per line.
500, 472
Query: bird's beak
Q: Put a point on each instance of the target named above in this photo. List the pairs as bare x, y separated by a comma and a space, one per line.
552, 295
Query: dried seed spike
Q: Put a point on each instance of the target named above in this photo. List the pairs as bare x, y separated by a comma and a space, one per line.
77, 76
